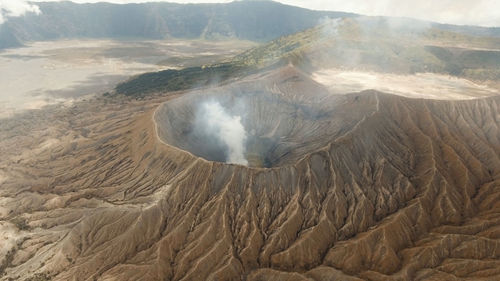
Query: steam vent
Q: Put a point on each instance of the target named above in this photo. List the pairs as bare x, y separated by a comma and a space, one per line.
361, 186
267, 143
270, 126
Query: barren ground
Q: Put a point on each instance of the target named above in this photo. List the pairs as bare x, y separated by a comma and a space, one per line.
60, 71
420, 85
408, 191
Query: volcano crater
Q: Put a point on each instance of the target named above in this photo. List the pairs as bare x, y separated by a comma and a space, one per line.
279, 127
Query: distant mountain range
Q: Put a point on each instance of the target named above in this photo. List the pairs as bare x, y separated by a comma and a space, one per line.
251, 20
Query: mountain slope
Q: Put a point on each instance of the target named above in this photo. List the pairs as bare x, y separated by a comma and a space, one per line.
408, 190
250, 20
370, 44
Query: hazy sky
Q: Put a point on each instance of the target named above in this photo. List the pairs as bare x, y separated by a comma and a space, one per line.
472, 12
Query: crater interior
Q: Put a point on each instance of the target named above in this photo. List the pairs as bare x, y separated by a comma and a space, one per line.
281, 126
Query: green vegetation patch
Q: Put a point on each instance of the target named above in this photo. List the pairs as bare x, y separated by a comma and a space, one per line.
176, 80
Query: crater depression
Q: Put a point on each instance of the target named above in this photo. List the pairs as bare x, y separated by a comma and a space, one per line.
259, 126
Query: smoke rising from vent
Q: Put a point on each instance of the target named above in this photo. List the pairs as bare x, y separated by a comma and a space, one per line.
227, 129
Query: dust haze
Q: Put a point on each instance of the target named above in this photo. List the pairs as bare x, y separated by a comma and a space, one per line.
60, 72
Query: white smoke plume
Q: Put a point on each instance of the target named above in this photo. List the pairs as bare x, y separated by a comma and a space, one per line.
228, 129
16, 8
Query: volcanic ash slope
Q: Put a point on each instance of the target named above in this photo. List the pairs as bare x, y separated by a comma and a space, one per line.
391, 189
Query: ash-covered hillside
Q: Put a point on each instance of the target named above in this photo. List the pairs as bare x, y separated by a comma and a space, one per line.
380, 187
359, 149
